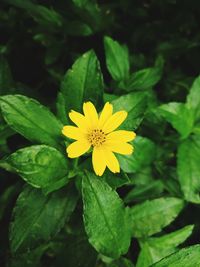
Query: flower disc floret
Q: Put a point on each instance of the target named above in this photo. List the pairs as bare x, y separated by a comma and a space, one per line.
97, 137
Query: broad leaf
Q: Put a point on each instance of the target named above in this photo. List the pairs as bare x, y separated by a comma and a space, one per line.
184, 257
193, 98
41, 166
102, 220
135, 105
188, 168
144, 79
117, 59
180, 116
38, 218
143, 155
85, 80
152, 216
32, 120
155, 249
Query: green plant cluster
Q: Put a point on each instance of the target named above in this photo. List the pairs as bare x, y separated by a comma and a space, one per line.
141, 56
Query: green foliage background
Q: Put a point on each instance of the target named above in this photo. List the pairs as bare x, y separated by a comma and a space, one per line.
142, 56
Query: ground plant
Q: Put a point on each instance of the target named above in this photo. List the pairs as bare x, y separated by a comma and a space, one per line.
99, 133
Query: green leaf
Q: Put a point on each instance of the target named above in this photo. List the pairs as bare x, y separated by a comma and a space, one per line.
6, 197
109, 97
180, 116
188, 168
41, 14
5, 131
32, 120
144, 79
85, 81
171, 240
122, 262
38, 218
115, 180
76, 252
142, 192
151, 216
91, 13
102, 220
29, 259
135, 105
6, 81
184, 257
143, 155
117, 59
145, 256
40, 165
81, 3
45, 16
155, 249
193, 98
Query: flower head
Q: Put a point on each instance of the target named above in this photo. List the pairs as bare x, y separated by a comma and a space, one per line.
97, 131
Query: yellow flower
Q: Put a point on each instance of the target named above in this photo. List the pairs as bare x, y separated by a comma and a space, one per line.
97, 131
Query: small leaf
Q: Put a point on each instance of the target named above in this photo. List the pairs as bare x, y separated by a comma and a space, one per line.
46, 17
184, 257
7, 196
144, 79
155, 249
171, 240
180, 116
41, 166
193, 98
188, 168
85, 81
135, 105
102, 220
151, 216
115, 180
38, 218
143, 155
142, 192
117, 59
32, 120
5, 130
6, 81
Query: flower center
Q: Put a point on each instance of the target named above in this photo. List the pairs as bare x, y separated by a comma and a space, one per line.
97, 137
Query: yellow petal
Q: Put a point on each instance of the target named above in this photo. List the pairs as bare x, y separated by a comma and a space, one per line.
121, 136
119, 147
79, 120
111, 161
78, 148
90, 114
114, 121
105, 114
98, 161
72, 132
